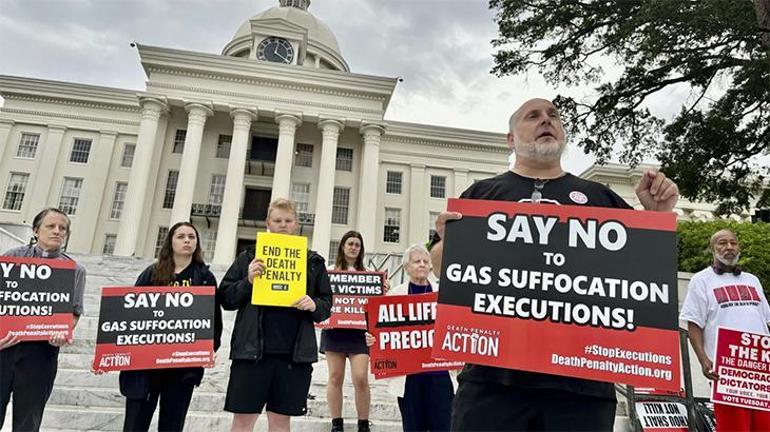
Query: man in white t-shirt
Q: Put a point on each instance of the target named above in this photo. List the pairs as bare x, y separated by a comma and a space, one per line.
724, 296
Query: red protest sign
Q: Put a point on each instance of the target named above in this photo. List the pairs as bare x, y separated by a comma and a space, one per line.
351, 291
155, 328
589, 292
402, 327
742, 363
36, 297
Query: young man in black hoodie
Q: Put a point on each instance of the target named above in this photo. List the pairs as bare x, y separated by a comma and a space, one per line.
272, 348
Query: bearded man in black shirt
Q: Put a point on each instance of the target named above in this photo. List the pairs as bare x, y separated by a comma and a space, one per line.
496, 399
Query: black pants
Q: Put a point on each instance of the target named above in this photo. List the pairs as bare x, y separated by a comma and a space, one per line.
427, 402
174, 394
27, 371
496, 407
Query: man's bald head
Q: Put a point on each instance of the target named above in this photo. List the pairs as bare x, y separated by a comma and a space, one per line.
519, 111
537, 134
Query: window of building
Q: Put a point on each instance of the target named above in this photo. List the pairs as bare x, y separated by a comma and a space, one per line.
28, 145
118, 199
393, 182
392, 225
333, 246
162, 232
81, 147
70, 195
168, 197
432, 216
300, 194
179, 138
128, 155
304, 156
14, 193
340, 204
109, 244
217, 189
344, 159
223, 146
437, 186
209, 244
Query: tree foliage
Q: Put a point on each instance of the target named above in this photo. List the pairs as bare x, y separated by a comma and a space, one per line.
717, 47
694, 254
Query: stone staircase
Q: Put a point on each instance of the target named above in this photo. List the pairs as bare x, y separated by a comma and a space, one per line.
83, 401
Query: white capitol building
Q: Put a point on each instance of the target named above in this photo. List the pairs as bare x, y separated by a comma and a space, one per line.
214, 137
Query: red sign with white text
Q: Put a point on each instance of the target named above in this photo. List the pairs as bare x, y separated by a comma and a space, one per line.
351, 291
36, 297
742, 363
585, 292
155, 327
402, 327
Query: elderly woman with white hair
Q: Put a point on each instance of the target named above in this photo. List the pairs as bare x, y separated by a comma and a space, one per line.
425, 399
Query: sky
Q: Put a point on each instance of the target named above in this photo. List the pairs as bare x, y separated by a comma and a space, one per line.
441, 49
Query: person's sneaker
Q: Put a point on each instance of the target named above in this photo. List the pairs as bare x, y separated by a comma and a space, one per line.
363, 426
337, 425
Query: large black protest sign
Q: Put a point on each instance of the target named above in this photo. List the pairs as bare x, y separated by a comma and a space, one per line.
155, 327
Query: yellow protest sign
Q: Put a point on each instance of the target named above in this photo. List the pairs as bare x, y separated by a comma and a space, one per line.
285, 278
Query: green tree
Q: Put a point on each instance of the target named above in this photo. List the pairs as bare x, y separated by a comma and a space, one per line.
717, 47
694, 253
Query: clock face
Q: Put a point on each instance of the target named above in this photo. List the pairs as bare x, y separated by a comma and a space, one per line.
275, 49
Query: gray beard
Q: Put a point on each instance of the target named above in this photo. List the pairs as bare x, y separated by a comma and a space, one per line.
728, 262
540, 153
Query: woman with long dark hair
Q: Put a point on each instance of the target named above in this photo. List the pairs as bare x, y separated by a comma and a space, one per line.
341, 344
28, 369
180, 263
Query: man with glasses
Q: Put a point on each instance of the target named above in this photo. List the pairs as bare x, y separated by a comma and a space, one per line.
491, 398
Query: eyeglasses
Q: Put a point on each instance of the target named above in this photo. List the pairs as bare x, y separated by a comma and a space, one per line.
537, 193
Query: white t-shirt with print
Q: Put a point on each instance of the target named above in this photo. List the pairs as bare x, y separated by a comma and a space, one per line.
726, 300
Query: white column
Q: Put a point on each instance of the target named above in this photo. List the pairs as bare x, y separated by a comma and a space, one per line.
96, 190
188, 169
128, 231
284, 158
5, 131
368, 184
227, 233
47, 157
461, 181
418, 215
322, 226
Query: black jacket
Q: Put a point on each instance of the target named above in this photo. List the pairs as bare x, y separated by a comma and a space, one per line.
247, 341
136, 384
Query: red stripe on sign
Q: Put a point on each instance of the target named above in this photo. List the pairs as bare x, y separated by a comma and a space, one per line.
652, 220
53, 263
36, 328
560, 349
121, 291
111, 357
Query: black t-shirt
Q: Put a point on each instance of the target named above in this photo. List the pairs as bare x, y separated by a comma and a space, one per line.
567, 190
280, 326
185, 277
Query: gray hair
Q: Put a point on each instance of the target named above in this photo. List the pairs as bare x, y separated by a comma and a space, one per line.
417, 247
714, 236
